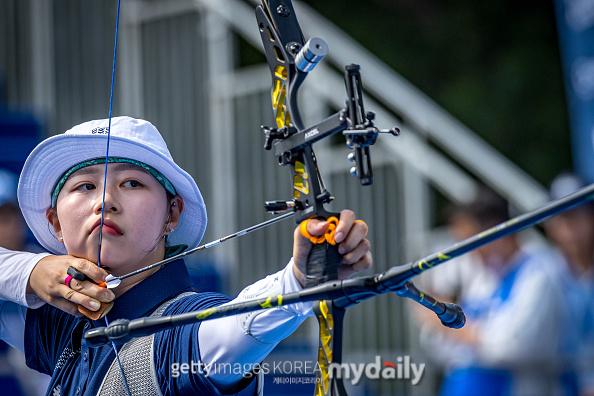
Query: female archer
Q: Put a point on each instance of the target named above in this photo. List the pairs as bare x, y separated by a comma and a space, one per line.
152, 207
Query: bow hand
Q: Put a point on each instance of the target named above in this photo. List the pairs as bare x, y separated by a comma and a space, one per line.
315, 263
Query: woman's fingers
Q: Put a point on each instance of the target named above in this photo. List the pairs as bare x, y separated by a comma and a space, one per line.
354, 238
347, 219
94, 272
349, 234
357, 253
88, 294
347, 270
48, 282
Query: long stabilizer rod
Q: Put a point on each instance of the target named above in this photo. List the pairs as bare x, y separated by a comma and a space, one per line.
346, 292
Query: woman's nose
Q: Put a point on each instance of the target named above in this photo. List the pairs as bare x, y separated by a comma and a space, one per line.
109, 199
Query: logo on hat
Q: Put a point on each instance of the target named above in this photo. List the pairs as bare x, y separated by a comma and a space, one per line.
100, 130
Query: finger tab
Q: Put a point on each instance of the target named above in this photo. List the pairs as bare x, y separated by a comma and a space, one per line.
94, 315
76, 274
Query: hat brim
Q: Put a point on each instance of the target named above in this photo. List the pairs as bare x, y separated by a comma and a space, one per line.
54, 156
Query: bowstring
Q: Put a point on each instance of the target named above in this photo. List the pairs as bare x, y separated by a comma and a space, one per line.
115, 50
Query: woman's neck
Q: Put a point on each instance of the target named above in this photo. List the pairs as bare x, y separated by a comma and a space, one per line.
129, 283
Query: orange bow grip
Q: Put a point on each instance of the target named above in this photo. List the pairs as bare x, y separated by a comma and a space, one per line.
328, 236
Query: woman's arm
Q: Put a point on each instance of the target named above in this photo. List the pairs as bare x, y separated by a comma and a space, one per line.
12, 324
247, 339
16, 267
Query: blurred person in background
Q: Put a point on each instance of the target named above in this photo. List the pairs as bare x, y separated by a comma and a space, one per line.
512, 341
13, 230
15, 377
572, 234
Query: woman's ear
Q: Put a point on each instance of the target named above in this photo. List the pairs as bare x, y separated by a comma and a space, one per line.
176, 207
52, 218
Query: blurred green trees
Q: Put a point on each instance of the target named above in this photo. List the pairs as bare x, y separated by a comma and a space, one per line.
494, 64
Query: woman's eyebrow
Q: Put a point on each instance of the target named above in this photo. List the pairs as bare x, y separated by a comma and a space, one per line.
125, 166
88, 170
92, 170
122, 167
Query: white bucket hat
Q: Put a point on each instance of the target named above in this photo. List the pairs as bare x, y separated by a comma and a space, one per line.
130, 138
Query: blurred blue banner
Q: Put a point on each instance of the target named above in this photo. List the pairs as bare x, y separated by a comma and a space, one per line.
575, 21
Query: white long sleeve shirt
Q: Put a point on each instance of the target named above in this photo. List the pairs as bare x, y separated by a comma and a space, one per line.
16, 268
244, 338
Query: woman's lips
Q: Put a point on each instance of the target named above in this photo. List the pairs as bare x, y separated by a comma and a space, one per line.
108, 228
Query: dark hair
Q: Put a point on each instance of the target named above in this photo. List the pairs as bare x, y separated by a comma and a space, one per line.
488, 208
10, 209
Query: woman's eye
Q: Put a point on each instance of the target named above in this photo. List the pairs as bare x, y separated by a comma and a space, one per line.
132, 183
86, 187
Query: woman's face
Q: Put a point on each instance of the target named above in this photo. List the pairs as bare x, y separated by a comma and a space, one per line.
137, 216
